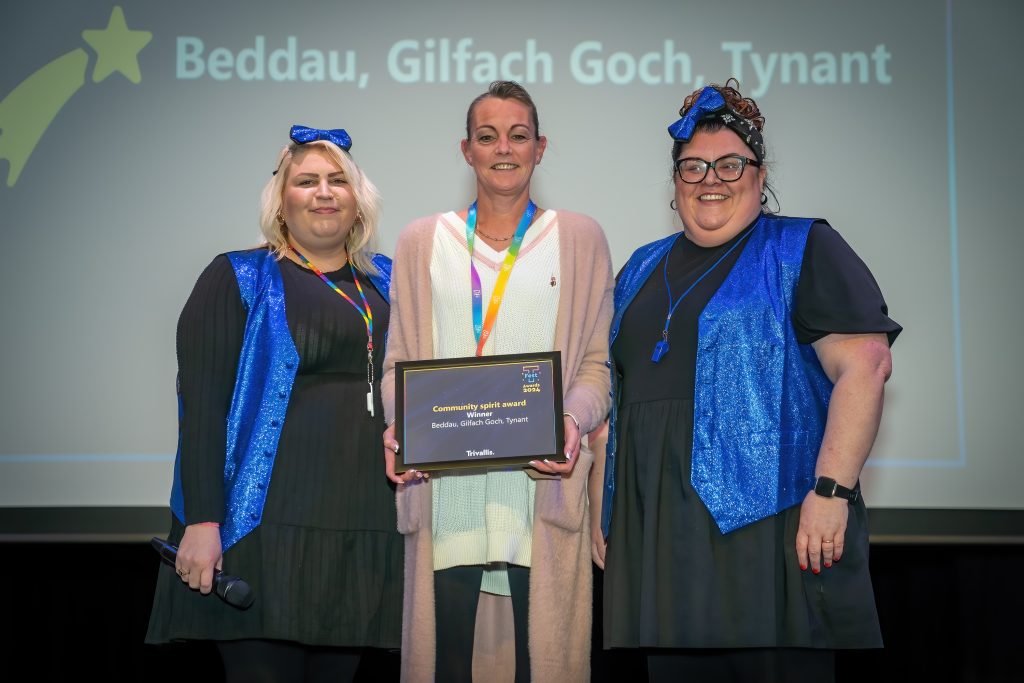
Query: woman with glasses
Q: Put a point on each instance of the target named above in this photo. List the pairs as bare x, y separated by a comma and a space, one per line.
749, 354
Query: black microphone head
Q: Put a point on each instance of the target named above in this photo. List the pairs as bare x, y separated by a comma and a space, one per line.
233, 591
168, 553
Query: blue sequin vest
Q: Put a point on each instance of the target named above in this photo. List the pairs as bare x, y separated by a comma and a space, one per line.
760, 397
266, 372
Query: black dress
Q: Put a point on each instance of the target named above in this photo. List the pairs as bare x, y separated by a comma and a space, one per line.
672, 579
325, 564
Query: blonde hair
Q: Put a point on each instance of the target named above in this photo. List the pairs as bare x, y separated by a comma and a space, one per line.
362, 238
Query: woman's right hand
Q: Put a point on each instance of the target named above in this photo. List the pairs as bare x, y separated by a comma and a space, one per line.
199, 554
390, 448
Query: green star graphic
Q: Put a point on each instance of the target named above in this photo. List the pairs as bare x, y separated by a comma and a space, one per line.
117, 48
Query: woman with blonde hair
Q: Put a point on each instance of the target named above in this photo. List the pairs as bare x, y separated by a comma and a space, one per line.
279, 350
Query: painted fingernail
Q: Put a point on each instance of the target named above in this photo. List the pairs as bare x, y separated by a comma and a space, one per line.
827, 565
816, 570
803, 567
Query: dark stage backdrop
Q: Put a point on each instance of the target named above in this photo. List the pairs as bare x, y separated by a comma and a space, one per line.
949, 614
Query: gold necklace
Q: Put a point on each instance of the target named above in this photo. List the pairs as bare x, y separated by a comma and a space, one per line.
494, 239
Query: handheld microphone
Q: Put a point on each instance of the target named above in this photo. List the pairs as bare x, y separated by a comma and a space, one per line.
230, 589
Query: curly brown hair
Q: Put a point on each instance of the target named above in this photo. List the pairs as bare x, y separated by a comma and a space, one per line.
744, 106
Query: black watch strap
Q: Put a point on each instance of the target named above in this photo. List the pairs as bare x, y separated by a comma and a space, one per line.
827, 487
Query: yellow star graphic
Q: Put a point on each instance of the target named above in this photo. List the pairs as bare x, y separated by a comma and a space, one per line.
117, 48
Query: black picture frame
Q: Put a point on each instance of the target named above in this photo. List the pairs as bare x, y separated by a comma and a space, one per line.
479, 412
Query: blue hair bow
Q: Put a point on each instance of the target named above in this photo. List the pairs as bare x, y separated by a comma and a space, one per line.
300, 135
708, 102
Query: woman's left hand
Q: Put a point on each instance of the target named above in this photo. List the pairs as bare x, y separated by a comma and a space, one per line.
822, 530
571, 450
858, 366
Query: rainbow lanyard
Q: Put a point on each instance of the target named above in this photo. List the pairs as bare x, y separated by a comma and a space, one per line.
482, 325
364, 312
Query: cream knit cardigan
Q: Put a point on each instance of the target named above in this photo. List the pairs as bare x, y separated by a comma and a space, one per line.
560, 577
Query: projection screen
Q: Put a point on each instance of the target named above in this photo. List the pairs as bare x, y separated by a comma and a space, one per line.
135, 138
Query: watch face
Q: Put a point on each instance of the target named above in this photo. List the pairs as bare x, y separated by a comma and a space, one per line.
825, 486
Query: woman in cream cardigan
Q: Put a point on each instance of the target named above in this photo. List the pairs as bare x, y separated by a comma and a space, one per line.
504, 557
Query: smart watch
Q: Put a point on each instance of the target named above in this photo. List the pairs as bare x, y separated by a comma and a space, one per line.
827, 487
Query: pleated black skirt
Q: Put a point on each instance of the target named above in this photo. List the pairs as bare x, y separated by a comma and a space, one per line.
325, 565
673, 580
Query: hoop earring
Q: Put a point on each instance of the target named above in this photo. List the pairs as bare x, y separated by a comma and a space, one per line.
280, 219
672, 205
764, 199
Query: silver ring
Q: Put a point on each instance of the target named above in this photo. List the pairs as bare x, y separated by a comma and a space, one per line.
823, 542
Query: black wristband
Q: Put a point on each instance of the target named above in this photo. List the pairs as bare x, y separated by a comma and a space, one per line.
827, 487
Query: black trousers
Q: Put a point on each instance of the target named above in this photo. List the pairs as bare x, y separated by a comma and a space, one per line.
456, 595
748, 665
278, 661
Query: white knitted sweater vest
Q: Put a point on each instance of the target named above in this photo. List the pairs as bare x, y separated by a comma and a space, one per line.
487, 517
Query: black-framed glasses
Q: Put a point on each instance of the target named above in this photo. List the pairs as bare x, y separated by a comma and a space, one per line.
729, 168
